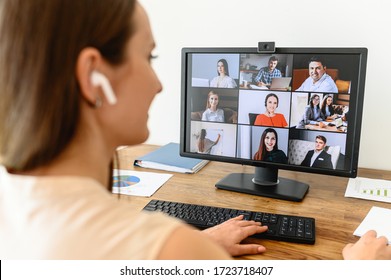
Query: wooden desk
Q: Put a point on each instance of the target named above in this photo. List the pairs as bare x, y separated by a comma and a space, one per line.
336, 216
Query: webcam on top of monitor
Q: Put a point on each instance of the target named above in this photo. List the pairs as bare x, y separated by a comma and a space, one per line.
266, 47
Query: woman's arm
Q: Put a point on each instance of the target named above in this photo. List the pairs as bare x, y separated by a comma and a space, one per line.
308, 116
185, 243
233, 83
204, 117
217, 140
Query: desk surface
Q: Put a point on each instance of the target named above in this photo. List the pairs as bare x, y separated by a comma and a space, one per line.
336, 216
328, 128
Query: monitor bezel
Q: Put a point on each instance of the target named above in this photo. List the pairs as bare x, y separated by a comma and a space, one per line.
355, 104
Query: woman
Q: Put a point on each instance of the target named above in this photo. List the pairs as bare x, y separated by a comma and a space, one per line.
327, 107
312, 113
212, 113
223, 80
63, 107
270, 117
268, 148
55, 202
204, 144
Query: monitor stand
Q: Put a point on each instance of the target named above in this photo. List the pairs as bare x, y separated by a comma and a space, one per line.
265, 182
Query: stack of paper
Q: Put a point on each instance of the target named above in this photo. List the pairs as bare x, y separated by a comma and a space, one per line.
137, 183
167, 158
378, 219
371, 189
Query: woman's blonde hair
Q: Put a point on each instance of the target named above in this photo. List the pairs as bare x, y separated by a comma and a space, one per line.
40, 98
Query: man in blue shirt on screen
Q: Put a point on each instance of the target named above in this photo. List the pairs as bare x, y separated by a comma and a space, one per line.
265, 75
319, 80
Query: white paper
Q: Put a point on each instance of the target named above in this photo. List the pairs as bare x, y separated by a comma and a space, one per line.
371, 189
378, 219
257, 87
138, 183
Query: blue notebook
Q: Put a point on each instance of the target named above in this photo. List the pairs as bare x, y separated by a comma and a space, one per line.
167, 158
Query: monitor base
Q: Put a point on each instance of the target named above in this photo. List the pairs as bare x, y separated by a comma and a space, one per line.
285, 189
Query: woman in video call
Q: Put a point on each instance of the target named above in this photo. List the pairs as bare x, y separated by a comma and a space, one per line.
312, 113
270, 117
268, 148
57, 111
204, 144
327, 107
223, 80
212, 113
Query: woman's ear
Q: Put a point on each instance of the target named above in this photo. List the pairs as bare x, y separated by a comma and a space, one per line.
88, 60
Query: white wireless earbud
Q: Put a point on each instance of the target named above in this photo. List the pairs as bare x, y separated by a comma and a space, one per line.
98, 79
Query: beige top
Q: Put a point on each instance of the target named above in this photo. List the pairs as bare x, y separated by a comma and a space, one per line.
67, 217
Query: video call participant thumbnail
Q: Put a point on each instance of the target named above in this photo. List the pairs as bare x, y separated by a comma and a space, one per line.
312, 113
270, 117
204, 144
319, 80
212, 113
268, 148
318, 157
223, 80
265, 74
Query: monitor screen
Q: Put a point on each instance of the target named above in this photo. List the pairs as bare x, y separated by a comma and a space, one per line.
295, 109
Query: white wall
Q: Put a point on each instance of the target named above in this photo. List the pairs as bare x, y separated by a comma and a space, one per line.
300, 23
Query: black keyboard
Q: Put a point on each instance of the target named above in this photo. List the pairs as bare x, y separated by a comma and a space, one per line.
295, 229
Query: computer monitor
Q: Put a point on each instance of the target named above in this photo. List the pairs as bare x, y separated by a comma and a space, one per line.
310, 123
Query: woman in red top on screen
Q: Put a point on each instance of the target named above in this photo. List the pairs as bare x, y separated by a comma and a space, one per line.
270, 117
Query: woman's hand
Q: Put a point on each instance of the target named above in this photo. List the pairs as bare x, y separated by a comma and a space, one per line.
368, 247
230, 233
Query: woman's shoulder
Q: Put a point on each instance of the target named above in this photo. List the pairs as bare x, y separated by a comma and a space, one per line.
89, 223
230, 80
260, 119
262, 116
308, 108
280, 156
278, 151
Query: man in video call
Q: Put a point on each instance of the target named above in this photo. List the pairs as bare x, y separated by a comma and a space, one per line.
265, 75
319, 80
318, 157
